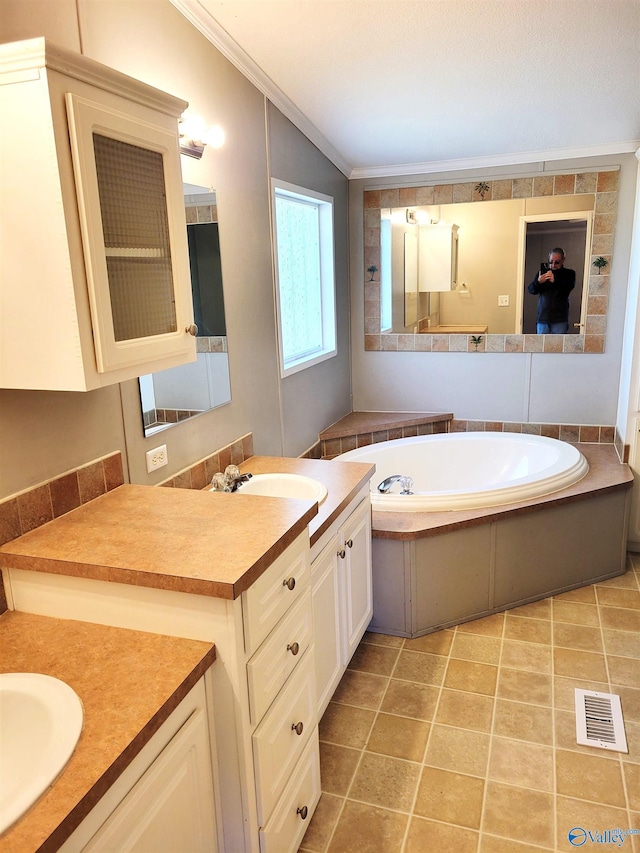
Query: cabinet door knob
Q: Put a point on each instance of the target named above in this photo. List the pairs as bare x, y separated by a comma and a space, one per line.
297, 728
192, 330
349, 543
294, 648
342, 553
289, 583
303, 812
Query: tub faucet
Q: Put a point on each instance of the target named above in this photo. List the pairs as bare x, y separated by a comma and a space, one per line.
406, 484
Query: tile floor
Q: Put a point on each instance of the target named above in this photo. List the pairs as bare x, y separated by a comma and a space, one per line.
464, 740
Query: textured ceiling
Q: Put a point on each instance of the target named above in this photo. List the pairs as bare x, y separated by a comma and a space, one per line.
381, 84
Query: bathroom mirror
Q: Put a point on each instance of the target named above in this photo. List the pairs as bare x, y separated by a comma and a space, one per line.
500, 232
171, 396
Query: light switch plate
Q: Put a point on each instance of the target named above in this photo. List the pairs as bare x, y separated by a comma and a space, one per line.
503, 301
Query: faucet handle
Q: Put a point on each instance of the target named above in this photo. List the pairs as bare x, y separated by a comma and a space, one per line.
406, 484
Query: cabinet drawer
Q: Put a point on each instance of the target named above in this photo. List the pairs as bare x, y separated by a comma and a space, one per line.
267, 600
278, 656
277, 746
289, 821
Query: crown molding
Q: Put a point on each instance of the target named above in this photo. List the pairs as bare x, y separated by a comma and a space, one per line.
495, 160
203, 21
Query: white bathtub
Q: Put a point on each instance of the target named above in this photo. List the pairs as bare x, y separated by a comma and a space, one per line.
469, 470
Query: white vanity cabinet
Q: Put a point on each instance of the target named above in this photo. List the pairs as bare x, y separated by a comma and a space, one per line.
342, 594
165, 798
94, 273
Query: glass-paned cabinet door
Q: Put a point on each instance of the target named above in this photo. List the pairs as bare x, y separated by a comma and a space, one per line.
129, 192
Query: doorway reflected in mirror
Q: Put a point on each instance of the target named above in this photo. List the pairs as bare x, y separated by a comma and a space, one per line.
172, 396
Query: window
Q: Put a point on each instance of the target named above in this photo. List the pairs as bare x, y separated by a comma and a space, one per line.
305, 289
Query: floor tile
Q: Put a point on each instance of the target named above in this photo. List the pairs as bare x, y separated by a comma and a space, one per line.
379, 660
575, 612
399, 737
523, 721
530, 656
519, 814
621, 618
408, 699
345, 725
367, 829
363, 689
428, 835
473, 648
623, 643
437, 643
569, 662
493, 844
458, 750
471, 677
528, 630
516, 762
582, 637
450, 797
583, 595
386, 782
587, 777
338, 765
488, 626
465, 739
614, 597
465, 710
624, 671
535, 610
524, 686
421, 668
591, 817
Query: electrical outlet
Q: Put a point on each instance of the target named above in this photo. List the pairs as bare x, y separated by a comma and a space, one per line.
503, 301
157, 458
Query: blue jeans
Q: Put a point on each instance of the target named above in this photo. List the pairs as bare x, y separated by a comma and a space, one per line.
553, 328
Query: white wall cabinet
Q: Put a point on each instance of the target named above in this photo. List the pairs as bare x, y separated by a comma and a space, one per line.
165, 799
342, 595
94, 277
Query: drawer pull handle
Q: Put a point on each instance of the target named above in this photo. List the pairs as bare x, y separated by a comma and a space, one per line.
342, 553
294, 648
297, 728
192, 330
289, 583
349, 543
303, 812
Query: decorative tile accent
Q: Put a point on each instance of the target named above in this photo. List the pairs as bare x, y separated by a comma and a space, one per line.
42, 503
197, 476
571, 433
334, 446
605, 187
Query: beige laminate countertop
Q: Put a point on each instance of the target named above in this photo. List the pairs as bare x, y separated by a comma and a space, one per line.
185, 540
129, 683
606, 474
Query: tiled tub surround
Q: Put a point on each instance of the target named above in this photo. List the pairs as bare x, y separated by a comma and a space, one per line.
433, 569
129, 682
464, 740
605, 187
359, 429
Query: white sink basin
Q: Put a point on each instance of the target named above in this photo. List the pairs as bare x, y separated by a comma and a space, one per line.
40, 723
296, 486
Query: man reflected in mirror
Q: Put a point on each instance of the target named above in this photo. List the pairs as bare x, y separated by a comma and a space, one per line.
552, 285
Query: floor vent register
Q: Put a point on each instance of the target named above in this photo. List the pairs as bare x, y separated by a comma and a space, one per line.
599, 720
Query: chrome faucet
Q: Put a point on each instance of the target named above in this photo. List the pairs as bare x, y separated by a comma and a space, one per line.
406, 484
230, 480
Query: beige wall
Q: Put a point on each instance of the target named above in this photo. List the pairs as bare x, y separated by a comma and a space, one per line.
44, 434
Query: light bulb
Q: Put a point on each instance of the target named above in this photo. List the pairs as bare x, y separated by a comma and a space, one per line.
214, 136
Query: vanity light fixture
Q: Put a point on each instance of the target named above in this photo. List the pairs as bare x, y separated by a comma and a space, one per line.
411, 217
194, 135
